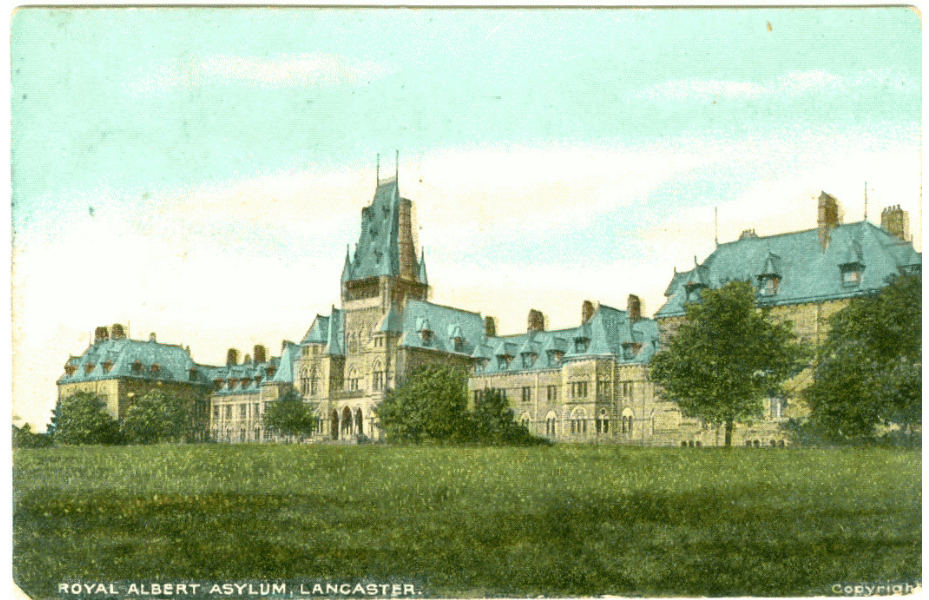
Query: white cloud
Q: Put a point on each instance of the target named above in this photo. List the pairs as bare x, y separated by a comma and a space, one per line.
282, 70
795, 83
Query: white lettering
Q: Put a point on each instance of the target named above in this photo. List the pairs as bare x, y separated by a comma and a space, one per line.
62, 588
372, 589
133, 589
395, 589
278, 588
316, 587
409, 588
345, 588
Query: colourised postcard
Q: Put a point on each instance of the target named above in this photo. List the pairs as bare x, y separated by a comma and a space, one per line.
466, 302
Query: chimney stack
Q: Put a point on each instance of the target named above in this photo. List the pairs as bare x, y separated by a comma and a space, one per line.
260, 354
152, 338
587, 311
633, 308
232, 357
101, 334
896, 221
535, 321
405, 240
117, 332
828, 218
490, 327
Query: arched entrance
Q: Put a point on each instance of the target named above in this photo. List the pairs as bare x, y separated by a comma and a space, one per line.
334, 424
359, 422
346, 422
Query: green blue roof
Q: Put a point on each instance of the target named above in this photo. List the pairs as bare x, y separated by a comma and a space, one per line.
608, 333
285, 366
378, 250
135, 359
806, 272
318, 333
334, 341
440, 322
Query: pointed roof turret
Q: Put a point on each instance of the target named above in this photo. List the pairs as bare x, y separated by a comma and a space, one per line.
422, 267
347, 269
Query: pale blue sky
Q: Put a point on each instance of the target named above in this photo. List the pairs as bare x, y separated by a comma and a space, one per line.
221, 145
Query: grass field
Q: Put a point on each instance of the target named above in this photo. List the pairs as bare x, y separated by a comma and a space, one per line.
560, 520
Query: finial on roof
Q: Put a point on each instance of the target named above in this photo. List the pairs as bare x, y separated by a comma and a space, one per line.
397, 168
865, 200
378, 171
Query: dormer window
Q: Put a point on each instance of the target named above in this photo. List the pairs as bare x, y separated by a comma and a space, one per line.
88, 368
458, 343
693, 292
271, 371
631, 349
768, 285
581, 344
137, 367
426, 335
528, 359
851, 274
503, 362
156, 369
108, 366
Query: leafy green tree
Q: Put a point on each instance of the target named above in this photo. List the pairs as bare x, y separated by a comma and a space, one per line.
290, 416
869, 369
157, 417
23, 437
492, 422
431, 405
726, 357
82, 418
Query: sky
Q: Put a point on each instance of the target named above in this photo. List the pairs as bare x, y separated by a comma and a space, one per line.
199, 172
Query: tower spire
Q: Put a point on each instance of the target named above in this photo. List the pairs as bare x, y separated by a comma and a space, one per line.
378, 175
397, 168
865, 200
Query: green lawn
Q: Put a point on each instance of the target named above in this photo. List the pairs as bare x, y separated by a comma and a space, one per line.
557, 521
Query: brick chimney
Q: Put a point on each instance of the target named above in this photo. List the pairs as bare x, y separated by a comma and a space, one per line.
260, 354
828, 218
405, 241
101, 334
587, 311
490, 327
896, 221
117, 332
232, 357
535, 321
633, 308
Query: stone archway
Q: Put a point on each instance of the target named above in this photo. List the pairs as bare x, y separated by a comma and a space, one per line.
359, 422
334, 424
347, 423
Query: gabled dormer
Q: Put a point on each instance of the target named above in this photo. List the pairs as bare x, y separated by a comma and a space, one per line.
769, 279
851, 267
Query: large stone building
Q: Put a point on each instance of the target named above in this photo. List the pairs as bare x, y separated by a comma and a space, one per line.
804, 277
121, 370
585, 383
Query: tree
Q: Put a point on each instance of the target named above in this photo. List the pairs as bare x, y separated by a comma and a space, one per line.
82, 418
432, 404
157, 417
869, 370
23, 437
726, 357
492, 422
290, 416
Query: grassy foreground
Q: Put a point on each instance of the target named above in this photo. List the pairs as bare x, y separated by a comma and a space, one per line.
561, 520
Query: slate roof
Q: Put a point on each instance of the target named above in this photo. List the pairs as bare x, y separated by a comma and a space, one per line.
807, 273
285, 366
111, 359
378, 249
608, 333
441, 321
318, 333
336, 334
246, 378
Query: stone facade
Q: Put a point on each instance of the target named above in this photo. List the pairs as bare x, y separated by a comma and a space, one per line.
803, 277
